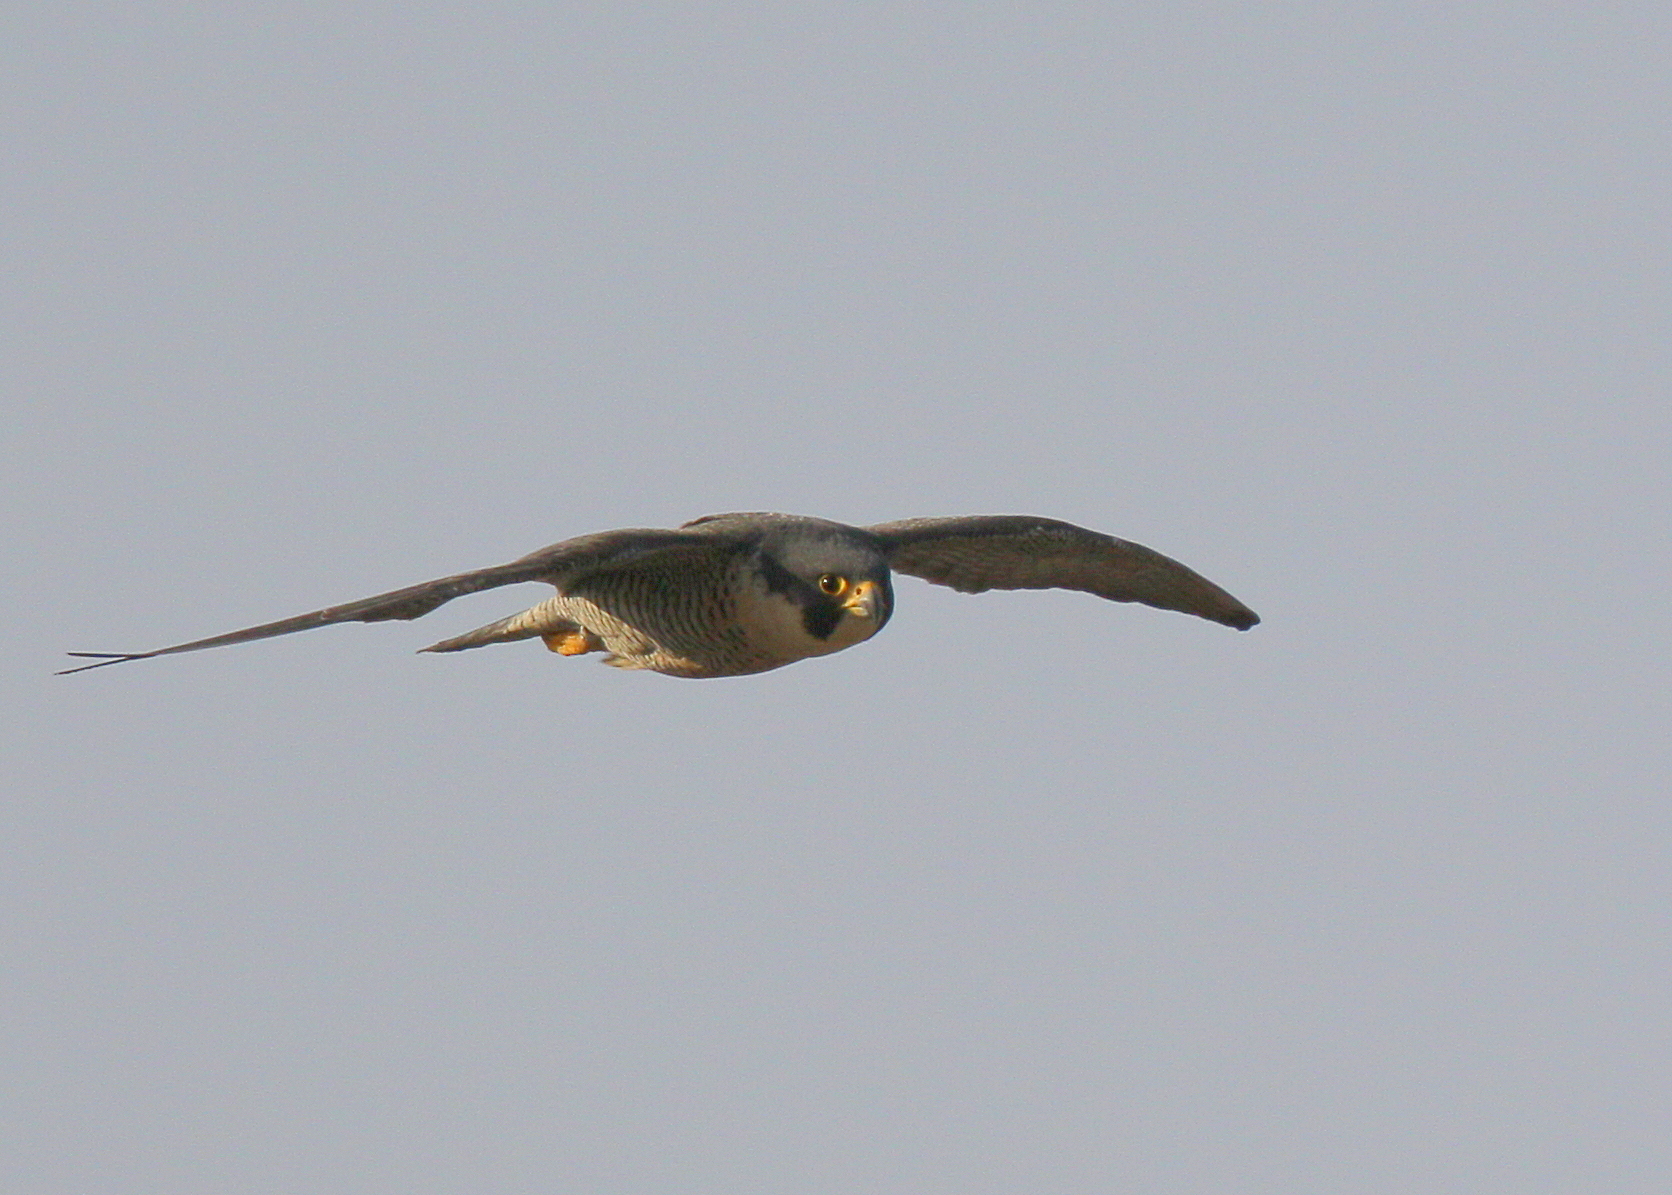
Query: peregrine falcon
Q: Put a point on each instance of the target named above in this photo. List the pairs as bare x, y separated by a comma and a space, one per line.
734, 594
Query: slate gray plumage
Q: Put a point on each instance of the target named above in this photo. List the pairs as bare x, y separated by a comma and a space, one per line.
733, 594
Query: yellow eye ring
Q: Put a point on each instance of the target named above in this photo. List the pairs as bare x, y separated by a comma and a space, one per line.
831, 584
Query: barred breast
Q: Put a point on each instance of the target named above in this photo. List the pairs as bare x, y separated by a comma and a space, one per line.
681, 624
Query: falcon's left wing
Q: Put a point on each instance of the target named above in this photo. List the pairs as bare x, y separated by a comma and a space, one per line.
974, 553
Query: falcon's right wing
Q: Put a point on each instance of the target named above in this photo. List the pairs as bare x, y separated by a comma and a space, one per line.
560, 564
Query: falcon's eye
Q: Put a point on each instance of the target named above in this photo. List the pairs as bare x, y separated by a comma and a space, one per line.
832, 584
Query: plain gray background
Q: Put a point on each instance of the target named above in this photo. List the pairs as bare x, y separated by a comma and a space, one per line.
1360, 309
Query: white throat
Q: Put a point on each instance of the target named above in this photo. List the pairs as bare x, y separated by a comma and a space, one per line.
776, 627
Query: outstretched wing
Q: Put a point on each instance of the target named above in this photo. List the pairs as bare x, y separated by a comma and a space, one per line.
560, 565
979, 552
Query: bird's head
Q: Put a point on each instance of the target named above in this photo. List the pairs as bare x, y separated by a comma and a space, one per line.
834, 580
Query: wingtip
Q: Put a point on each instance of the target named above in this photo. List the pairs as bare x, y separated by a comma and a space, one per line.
102, 659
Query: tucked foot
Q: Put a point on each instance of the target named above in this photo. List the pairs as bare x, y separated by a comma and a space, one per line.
572, 642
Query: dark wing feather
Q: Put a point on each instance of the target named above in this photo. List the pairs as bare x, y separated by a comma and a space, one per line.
980, 552
561, 564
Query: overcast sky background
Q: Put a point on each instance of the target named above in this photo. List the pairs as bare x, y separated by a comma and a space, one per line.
1361, 310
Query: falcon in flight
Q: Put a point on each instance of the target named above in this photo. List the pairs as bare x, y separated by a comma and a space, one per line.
733, 594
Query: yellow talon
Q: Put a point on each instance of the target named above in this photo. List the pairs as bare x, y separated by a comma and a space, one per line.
575, 642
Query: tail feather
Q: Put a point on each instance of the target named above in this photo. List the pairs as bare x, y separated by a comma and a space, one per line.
507, 630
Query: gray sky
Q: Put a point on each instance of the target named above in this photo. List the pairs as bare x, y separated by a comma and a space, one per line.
1360, 310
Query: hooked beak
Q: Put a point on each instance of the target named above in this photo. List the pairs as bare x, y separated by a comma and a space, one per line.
865, 601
